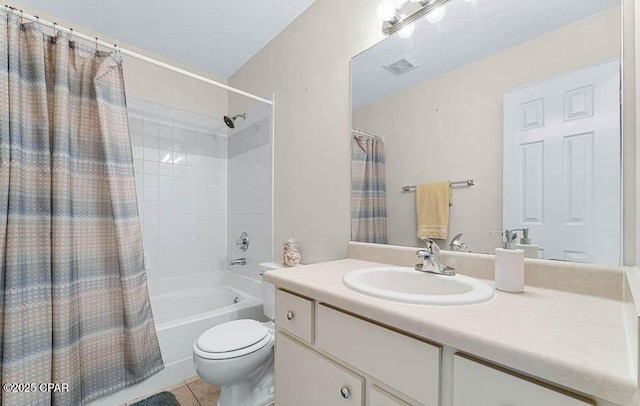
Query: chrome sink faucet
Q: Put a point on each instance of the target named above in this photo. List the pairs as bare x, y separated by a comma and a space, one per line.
431, 259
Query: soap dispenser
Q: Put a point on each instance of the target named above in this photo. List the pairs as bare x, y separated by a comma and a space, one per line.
509, 264
530, 249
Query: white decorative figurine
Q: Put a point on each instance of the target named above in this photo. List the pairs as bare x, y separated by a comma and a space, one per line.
291, 256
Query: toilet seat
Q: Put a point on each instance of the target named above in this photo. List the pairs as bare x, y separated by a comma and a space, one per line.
232, 339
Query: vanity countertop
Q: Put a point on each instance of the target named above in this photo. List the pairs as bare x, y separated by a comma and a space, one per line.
569, 339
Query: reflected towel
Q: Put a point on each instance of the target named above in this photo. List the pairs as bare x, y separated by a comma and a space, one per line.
432, 209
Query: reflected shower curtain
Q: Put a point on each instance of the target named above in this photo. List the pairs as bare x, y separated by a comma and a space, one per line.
74, 306
368, 190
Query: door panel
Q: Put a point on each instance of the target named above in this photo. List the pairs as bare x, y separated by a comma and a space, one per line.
562, 164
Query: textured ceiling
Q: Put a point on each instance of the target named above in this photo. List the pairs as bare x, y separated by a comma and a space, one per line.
468, 31
217, 36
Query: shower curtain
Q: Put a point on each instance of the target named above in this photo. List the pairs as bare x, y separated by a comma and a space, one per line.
74, 305
368, 190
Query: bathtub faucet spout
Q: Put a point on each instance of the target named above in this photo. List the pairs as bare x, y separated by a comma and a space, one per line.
239, 261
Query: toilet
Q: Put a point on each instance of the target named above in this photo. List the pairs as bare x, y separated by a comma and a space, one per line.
238, 355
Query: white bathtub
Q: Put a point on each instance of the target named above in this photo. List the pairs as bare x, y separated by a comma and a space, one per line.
181, 313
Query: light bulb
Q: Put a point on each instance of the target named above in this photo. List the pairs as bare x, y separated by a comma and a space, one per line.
436, 14
406, 31
385, 10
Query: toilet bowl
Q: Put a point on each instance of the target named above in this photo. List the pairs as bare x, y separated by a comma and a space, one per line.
238, 356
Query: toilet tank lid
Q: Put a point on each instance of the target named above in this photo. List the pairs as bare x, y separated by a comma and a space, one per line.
231, 336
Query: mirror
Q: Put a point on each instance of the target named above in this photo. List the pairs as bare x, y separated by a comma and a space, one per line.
506, 115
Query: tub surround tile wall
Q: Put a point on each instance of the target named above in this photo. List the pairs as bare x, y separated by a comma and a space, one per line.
181, 180
573, 340
250, 137
249, 190
586, 279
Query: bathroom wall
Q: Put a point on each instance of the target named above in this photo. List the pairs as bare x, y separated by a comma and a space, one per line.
181, 182
249, 191
420, 118
307, 66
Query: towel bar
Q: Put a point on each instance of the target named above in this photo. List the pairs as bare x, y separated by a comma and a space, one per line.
468, 182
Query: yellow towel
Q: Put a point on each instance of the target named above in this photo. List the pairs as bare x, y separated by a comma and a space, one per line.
432, 205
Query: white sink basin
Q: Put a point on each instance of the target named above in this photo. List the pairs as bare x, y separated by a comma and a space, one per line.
407, 285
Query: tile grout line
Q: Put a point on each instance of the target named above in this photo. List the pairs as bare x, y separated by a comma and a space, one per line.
194, 395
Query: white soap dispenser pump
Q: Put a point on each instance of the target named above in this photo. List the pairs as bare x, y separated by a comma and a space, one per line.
509, 264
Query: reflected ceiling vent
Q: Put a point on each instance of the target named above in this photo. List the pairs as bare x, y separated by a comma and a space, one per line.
400, 67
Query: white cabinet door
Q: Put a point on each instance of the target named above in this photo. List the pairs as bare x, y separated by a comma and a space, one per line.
305, 378
562, 164
475, 384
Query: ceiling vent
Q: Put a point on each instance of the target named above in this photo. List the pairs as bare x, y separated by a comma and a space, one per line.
400, 67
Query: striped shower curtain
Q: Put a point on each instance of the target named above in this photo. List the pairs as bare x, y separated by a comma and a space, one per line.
74, 306
368, 190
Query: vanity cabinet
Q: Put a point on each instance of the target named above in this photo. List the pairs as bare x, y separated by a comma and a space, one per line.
478, 384
411, 366
327, 357
295, 314
303, 377
379, 397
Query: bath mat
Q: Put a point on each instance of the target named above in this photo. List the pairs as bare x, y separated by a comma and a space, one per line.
159, 399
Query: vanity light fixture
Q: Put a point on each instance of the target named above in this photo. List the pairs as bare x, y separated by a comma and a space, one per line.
436, 14
386, 10
406, 31
397, 15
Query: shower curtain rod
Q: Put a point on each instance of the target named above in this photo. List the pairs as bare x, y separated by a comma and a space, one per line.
132, 54
366, 134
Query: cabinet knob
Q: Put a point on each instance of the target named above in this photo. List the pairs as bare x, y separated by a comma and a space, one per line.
345, 392
289, 315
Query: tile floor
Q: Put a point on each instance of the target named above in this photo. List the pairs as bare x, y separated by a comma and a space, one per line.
191, 392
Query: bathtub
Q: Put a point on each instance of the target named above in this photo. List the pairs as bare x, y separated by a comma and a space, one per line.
183, 308
181, 314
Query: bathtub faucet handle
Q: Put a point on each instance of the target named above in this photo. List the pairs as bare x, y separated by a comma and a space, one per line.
243, 242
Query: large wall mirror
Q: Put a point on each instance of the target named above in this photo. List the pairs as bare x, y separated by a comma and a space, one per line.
514, 105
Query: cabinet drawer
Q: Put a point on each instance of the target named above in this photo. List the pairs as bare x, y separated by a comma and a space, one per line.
295, 314
303, 377
405, 364
380, 397
476, 384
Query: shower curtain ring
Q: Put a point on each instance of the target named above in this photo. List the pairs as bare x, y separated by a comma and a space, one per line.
55, 30
21, 17
96, 44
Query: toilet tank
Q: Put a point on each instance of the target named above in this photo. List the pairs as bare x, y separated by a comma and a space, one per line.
269, 290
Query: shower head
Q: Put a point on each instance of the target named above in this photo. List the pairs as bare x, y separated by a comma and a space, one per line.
230, 121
